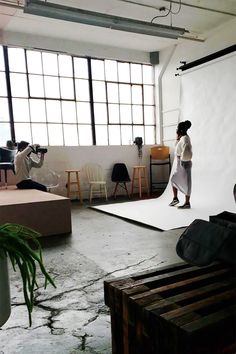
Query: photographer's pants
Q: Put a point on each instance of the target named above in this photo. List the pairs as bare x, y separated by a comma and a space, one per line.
29, 184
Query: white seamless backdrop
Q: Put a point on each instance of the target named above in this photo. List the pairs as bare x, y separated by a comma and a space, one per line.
208, 100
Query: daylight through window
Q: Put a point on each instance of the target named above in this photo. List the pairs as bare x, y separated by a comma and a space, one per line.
59, 99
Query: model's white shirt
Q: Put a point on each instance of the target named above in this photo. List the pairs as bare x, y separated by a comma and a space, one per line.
24, 163
184, 148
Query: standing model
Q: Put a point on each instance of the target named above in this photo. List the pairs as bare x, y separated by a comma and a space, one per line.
181, 179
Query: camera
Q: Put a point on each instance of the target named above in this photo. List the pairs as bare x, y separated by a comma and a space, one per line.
41, 150
138, 141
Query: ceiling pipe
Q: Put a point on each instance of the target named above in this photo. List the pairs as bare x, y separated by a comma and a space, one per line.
202, 8
71, 14
183, 4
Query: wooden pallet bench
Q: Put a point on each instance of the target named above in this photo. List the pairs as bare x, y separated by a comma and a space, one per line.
178, 309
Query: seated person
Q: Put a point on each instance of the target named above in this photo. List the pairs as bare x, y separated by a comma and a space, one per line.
23, 163
10, 145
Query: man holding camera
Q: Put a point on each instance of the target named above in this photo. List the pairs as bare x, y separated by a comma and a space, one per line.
24, 162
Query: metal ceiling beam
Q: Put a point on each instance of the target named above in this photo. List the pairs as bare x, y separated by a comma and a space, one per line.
65, 13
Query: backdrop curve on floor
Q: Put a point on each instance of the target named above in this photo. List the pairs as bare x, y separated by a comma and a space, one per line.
208, 101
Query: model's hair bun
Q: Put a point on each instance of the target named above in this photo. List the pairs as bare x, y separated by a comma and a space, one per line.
187, 124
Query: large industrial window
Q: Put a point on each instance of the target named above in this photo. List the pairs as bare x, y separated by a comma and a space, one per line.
4, 107
59, 99
123, 96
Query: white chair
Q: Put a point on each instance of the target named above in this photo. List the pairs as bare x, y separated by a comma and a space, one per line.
96, 180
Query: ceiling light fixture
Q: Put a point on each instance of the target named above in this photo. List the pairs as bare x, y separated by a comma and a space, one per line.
65, 13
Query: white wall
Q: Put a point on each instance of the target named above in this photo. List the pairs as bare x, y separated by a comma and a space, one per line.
222, 37
27, 40
59, 159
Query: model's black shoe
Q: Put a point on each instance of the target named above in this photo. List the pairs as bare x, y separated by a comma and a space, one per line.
174, 202
185, 206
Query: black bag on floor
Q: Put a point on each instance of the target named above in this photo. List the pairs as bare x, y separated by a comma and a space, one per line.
228, 220
204, 242
225, 219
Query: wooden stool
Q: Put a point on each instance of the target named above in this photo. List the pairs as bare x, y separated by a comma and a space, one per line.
140, 174
70, 183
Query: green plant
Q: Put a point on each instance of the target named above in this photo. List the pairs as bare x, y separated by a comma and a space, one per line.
14, 243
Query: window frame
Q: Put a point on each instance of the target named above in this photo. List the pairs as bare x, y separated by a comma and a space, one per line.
92, 101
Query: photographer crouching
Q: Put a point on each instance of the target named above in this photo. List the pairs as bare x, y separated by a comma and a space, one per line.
24, 162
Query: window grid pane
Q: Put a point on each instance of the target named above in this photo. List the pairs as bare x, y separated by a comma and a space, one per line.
37, 110
68, 112
67, 88
82, 90
150, 135
100, 113
16, 58
114, 114
97, 69
53, 111
101, 134
4, 110
99, 91
20, 109
40, 133
5, 133
124, 72
85, 135
70, 134
3, 86
65, 65
114, 135
51, 87
19, 86
111, 70
23, 132
55, 134
127, 135
81, 68
58, 105
34, 62
83, 112
36, 85
50, 64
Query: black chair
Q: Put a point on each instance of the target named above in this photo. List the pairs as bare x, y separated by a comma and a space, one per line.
120, 176
6, 161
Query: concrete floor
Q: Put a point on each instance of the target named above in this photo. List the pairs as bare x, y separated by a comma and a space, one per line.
73, 318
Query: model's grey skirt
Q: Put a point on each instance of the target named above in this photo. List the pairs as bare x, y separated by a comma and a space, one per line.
182, 179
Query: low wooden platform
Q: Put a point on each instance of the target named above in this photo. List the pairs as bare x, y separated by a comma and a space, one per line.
179, 309
47, 213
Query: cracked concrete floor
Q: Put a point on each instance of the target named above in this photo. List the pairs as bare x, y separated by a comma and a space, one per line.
73, 318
